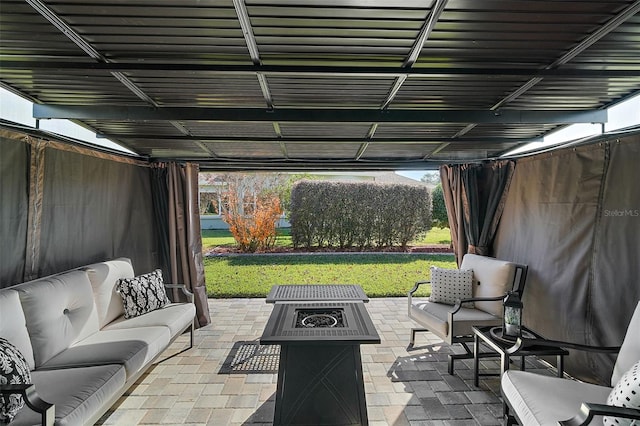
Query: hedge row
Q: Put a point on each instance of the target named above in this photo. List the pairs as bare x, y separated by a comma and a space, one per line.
347, 215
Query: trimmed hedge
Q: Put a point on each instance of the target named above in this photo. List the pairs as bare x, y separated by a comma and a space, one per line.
362, 214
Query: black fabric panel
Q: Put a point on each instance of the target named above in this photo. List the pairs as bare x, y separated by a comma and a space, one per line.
14, 199
549, 223
94, 210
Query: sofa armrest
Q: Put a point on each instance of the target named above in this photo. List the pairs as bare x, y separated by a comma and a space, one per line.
32, 400
184, 290
589, 410
522, 343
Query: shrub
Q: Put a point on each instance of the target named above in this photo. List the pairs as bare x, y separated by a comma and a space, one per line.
252, 216
345, 214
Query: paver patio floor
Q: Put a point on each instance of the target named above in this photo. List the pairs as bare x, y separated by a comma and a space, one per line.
227, 378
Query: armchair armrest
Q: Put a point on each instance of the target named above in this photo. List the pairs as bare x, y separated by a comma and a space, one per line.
460, 302
32, 400
184, 290
522, 342
415, 287
589, 410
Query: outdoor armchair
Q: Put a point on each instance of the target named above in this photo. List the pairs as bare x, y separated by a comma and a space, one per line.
535, 399
492, 280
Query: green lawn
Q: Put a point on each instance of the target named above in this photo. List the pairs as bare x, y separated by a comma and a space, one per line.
223, 238
379, 274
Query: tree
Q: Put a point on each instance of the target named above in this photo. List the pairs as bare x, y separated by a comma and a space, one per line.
438, 208
431, 177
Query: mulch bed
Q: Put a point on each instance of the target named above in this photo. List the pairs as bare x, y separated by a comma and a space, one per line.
446, 249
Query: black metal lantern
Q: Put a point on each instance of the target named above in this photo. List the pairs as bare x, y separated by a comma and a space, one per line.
512, 315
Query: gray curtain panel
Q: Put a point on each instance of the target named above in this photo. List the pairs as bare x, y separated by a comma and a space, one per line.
14, 205
475, 196
451, 177
184, 235
574, 217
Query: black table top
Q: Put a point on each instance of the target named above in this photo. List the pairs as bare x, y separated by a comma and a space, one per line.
284, 326
491, 336
316, 292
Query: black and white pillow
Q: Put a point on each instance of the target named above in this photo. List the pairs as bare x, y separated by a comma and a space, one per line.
142, 294
14, 370
450, 285
626, 393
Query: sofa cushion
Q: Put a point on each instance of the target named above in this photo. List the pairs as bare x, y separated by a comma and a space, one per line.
78, 393
630, 348
626, 393
59, 311
492, 277
450, 285
134, 348
142, 294
176, 316
14, 370
561, 399
13, 326
104, 276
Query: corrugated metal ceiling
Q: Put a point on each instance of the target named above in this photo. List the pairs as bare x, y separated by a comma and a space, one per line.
211, 78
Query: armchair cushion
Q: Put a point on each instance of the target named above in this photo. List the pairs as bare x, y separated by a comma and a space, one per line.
626, 393
14, 370
435, 317
492, 277
450, 285
543, 400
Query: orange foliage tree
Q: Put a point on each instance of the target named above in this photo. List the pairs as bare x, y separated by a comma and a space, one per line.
252, 212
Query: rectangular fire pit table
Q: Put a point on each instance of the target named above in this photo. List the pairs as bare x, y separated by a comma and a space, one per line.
316, 292
320, 378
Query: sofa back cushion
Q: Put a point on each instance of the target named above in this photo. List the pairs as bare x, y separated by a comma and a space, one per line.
59, 311
630, 351
13, 325
104, 276
491, 277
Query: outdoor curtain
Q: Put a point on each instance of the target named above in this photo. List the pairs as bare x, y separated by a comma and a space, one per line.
475, 196
176, 201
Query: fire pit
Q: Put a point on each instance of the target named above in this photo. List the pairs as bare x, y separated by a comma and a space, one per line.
327, 318
320, 378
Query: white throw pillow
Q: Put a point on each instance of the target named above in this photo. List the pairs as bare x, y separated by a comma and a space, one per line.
450, 285
142, 294
626, 393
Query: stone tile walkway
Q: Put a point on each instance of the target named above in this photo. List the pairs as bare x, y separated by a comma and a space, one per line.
226, 379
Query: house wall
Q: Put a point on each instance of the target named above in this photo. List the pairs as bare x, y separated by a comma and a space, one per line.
573, 216
92, 208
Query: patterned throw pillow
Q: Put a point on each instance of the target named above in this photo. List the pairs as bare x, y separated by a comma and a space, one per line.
450, 285
13, 371
626, 393
142, 294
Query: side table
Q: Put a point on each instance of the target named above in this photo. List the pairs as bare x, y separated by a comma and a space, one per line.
501, 347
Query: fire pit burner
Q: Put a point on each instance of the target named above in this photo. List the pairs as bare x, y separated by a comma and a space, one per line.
319, 318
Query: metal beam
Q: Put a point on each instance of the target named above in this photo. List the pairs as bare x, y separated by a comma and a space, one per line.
424, 72
132, 113
319, 141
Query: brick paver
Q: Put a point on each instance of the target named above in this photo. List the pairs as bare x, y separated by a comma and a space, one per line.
403, 387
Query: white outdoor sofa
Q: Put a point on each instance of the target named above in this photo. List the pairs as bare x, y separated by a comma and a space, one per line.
81, 351
535, 399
